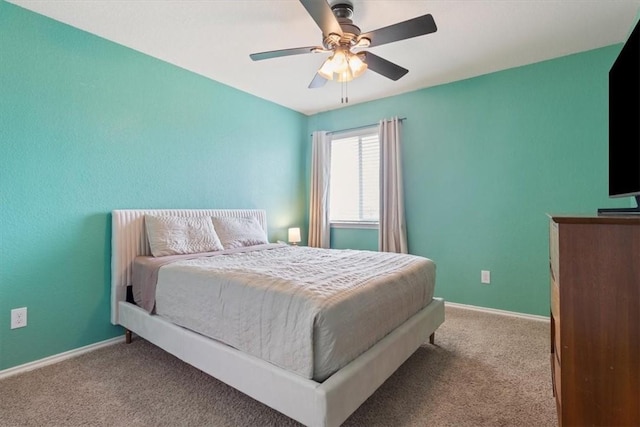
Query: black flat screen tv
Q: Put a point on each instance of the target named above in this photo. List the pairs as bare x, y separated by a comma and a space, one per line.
624, 125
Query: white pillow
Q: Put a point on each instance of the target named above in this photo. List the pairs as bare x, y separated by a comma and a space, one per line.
239, 232
173, 235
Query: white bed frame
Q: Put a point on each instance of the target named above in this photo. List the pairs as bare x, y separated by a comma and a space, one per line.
328, 403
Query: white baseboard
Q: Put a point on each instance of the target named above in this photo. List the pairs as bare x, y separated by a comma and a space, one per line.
496, 311
5, 373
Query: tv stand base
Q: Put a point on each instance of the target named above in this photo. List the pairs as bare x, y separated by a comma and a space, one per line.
622, 211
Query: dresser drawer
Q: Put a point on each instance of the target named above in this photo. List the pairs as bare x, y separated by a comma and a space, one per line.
554, 251
554, 292
555, 312
557, 379
556, 338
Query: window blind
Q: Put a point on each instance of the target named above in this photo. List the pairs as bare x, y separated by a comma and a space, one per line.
355, 171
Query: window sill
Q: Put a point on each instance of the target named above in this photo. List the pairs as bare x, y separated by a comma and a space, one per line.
355, 224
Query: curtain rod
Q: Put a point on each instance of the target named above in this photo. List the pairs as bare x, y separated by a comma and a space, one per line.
359, 127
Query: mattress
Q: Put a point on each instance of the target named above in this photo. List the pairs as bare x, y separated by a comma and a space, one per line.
310, 311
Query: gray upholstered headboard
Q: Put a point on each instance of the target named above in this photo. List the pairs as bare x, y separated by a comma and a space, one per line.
129, 240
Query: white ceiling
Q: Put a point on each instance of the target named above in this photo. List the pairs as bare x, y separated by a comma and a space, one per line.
215, 37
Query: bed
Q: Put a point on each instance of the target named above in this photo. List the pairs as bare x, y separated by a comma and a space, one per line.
302, 387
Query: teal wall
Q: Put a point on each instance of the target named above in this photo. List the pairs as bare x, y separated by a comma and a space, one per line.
88, 126
354, 238
484, 160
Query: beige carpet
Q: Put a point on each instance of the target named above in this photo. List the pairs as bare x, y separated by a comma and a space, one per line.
485, 370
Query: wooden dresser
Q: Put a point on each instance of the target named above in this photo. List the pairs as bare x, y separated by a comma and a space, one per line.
595, 319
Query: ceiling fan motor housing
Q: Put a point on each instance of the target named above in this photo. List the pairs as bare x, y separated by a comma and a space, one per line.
343, 12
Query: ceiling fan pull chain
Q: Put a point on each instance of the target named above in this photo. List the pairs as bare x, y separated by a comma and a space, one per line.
346, 92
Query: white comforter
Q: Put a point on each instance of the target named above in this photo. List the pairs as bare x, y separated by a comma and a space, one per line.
307, 310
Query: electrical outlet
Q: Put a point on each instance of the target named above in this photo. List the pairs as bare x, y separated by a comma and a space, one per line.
485, 277
18, 317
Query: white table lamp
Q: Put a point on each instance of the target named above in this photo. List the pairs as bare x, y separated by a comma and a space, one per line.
294, 235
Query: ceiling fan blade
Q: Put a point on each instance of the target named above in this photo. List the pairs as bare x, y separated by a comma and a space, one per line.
321, 12
283, 52
384, 67
403, 30
318, 81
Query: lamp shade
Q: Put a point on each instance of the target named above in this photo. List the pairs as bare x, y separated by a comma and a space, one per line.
294, 235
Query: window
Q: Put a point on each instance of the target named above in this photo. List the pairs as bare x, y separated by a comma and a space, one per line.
354, 185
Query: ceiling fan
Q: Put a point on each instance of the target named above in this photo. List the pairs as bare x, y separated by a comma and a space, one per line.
343, 40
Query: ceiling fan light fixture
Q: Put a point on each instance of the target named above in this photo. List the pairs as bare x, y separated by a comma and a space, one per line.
336, 64
327, 69
343, 65
357, 65
344, 76
340, 59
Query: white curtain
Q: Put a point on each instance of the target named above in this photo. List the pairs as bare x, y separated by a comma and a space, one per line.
319, 230
393, 228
